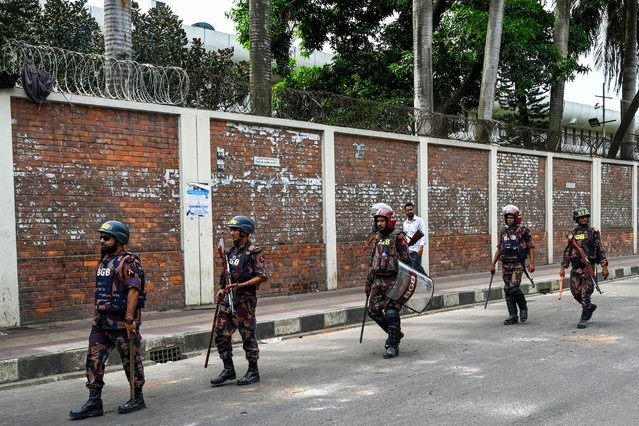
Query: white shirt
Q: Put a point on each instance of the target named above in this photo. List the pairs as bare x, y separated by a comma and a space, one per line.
411, 226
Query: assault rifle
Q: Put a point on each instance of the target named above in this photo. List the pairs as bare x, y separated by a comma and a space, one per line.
588, 267
523, 263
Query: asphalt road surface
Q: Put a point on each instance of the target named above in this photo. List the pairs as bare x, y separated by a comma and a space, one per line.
458, 367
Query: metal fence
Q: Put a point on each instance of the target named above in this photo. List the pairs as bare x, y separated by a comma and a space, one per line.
95, 75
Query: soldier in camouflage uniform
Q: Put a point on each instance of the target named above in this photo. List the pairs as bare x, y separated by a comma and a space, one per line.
119, 299
515, 242
247, 272
390, 246
581, 285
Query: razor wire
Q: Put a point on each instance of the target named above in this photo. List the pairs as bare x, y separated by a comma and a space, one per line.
99, 76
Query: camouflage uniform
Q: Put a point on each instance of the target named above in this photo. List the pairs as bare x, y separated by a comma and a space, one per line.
581, 286
382, 310
513, 246
245, 262
114, 277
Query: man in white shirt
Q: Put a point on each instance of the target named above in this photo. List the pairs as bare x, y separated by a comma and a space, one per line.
412, 224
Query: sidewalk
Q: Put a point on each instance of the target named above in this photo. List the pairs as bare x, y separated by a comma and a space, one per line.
47, 350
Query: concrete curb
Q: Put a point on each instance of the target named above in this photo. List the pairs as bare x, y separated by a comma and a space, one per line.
172, 347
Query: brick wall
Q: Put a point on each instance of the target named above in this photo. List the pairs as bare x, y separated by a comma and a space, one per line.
365, 175
616, 209
75, 168
284, 201
521, 181
458, 210
571, 188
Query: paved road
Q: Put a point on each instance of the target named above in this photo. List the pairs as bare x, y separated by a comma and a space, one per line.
456, 367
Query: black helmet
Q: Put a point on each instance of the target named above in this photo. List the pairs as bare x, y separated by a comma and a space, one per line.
580, 212
117, 229
244, 223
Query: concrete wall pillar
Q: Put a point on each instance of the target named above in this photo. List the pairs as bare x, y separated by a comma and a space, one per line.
9, 295
328, 198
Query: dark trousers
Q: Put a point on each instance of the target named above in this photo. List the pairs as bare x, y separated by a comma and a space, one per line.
416, 262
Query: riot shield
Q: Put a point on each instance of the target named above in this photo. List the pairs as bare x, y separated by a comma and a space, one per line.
412, 289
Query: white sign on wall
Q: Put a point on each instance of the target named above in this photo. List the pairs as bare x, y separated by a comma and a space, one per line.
266, 161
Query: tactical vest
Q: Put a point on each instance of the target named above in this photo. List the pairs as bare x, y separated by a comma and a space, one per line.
513, 246
385, 257
586, 239
110, 289
239, 267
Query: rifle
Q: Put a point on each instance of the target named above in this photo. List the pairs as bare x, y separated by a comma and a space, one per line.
561, 287
227, 273
492, 275
586, 262
361, 334
527, 274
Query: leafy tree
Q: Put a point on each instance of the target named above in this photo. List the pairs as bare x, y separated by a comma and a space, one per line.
69, 25
158, 37
19, 19
372, 41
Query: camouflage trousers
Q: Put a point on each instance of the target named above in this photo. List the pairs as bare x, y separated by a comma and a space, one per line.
244, 321
581, 287
378, 302
511, 273
101, 343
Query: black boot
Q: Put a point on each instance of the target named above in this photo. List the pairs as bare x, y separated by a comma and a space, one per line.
134, 404
584, 318
91, 408
252, 375
394, 333
520, 299
227, 374
590, 311
512, 311
387, 342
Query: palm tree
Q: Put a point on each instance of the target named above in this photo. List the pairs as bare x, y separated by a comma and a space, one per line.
117, 29
423, 60
629, 79
616, 23
560, 41
423, 54
260, 54
117, 45
491, 61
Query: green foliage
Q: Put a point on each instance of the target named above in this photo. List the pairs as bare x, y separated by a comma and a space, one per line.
158, 37
61, 23
372, 41
19, 19
69, 25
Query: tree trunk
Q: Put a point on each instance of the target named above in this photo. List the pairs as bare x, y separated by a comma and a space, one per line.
626, 120
629, 83
117, 46
260, 54
560, 42
423, 61
491, 62
117, 29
